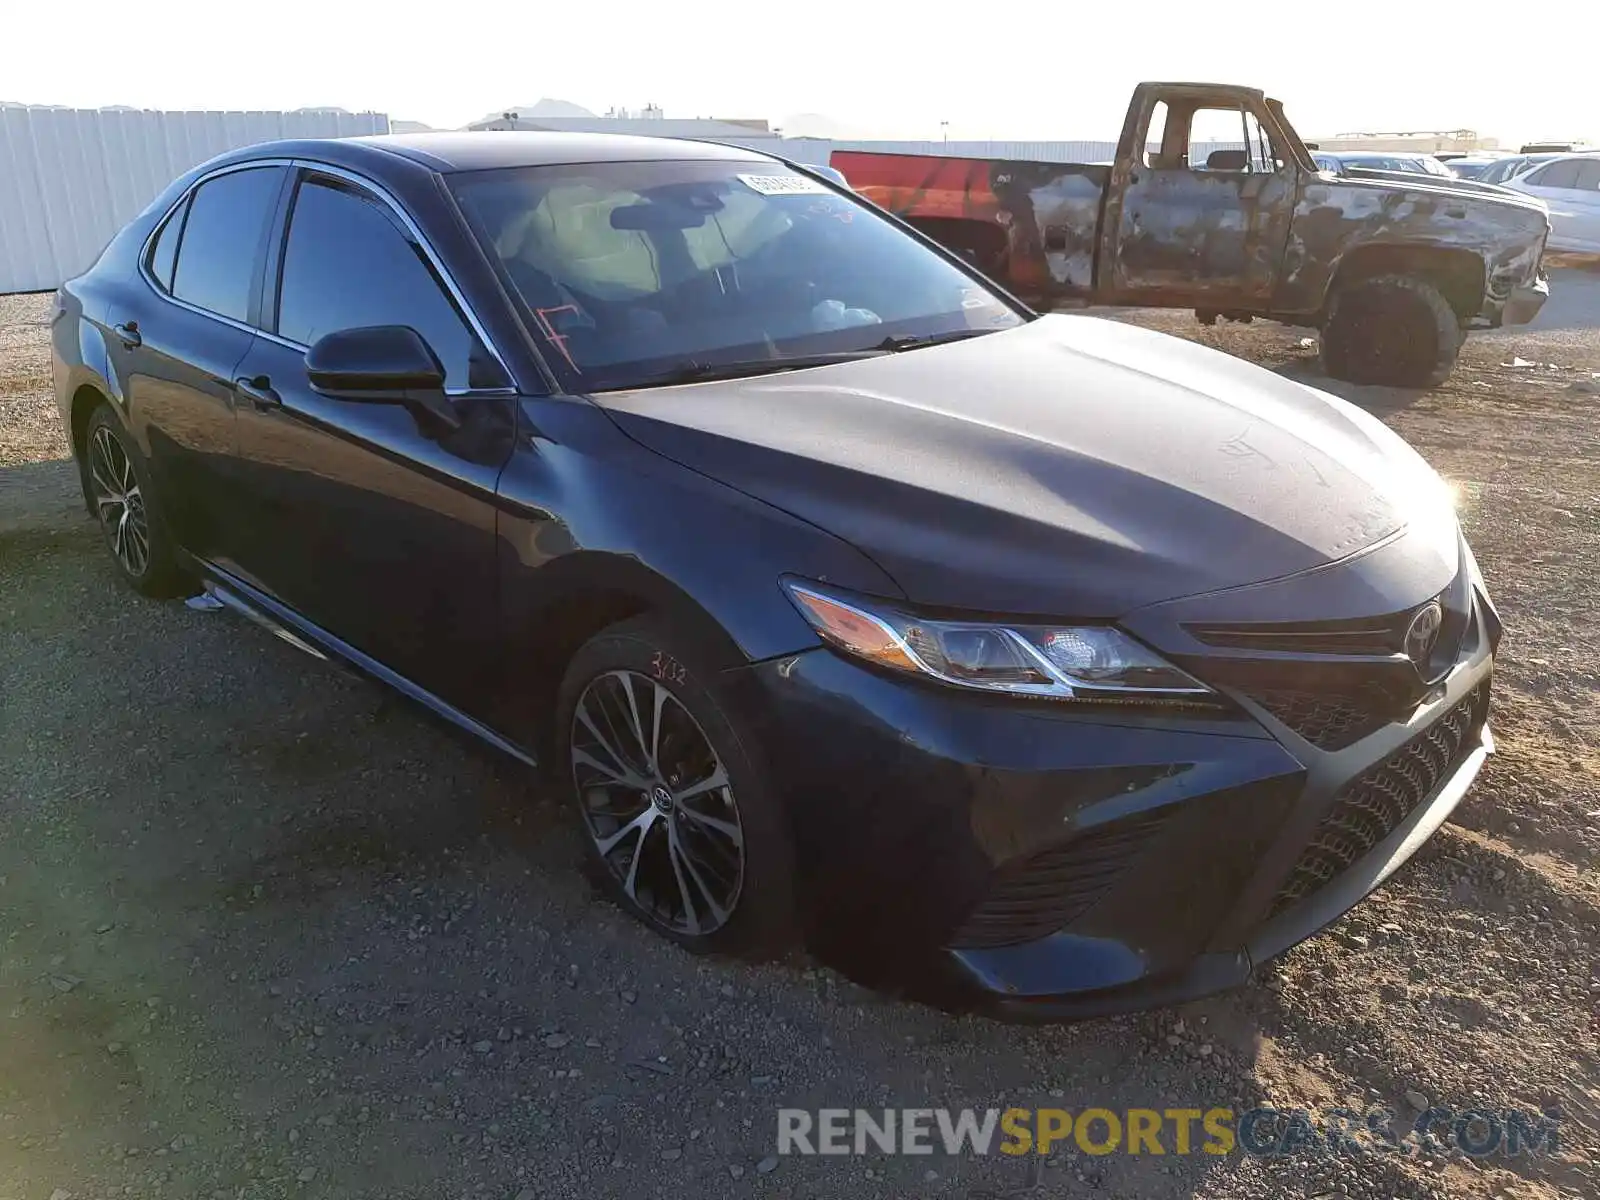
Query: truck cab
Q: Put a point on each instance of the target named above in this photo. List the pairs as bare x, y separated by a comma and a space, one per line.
1214, 203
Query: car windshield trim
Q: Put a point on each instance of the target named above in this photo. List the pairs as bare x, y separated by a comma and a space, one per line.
745, 362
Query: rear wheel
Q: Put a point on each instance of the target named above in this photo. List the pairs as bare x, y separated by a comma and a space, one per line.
680, 824
1396, 330
118, 484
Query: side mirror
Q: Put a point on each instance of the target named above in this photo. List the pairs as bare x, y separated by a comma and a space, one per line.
381, 359
383, 364
1228, 160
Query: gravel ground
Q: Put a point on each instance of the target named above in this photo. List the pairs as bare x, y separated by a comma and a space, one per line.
269, 932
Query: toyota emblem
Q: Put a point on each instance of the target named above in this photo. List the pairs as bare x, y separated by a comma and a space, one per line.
1423, 632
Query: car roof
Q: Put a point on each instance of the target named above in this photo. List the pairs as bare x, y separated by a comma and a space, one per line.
482, 150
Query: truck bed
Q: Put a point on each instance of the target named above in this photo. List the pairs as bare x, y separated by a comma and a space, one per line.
1034, 224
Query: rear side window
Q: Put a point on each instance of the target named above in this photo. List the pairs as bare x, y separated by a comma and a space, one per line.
1589, 175
222, 239
347, 264
164, 254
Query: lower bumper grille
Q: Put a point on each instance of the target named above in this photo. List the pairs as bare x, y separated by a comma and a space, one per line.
1372, 805
1033, 898
1327, 721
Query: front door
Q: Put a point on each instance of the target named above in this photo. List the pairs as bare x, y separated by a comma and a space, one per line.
177, 340
369, 519
1200, 203
1571, 188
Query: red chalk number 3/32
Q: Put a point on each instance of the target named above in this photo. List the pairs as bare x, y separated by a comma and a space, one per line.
668, 669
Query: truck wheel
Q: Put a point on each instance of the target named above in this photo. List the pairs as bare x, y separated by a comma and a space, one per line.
1396, 330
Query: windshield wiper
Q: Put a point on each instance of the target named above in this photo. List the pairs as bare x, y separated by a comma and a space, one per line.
692, 370
893, 345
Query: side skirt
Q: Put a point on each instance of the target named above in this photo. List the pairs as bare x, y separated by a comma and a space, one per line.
284, 622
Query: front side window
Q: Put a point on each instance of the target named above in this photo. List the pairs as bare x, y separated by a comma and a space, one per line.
347, 264
222, 239
631, 272
1589, 175
1556, 175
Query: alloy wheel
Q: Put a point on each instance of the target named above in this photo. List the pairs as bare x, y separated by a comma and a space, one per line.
657, 803
119, 502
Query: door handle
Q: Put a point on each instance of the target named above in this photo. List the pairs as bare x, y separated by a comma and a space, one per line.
128, 334
259, 391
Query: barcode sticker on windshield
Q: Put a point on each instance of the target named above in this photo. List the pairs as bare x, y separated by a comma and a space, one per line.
783, 185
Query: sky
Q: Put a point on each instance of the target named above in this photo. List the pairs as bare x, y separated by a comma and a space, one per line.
1032, 71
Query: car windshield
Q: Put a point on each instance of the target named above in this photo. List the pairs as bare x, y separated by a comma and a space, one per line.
633, 274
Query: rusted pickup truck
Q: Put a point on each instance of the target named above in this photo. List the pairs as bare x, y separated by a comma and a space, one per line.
1393, 271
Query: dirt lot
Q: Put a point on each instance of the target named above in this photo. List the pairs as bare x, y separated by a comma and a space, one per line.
267, 932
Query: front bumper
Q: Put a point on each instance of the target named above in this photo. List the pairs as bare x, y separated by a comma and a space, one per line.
910, 802
1525, 302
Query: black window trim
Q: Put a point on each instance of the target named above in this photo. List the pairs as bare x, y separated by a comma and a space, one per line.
178, 213
308, 171
182, 201
297, 170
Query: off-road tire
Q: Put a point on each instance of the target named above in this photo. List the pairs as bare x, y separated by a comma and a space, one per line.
1394, 330
762, 923
160, 576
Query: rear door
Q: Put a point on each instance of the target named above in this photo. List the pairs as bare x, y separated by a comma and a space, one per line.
1200, 200
367, 518
177, 346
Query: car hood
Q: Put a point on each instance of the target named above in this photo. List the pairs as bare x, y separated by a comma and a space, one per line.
1070, 467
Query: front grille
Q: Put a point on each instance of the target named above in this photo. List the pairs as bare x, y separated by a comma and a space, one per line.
1049, 890
1368, 636
1372, 805
1329, 721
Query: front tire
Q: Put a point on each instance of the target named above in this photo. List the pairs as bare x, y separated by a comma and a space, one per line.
1394, 330
680, 824
117, 482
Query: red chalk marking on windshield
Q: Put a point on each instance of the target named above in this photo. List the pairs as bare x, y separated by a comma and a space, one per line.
558, 340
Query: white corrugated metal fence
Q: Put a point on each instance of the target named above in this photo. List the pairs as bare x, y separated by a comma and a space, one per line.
70, 178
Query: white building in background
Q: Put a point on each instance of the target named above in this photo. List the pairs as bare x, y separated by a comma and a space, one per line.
71, 177
562, 116
1423, 142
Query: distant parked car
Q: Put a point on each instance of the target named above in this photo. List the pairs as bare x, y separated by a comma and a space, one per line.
1469, 168
1570, 185
1346, 161
1502, 170
1556, 147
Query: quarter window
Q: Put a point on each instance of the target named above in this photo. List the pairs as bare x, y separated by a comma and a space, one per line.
164, 254
348, 264
222, 239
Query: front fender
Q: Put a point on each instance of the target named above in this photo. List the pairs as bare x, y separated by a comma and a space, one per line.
586, 510
1337, 221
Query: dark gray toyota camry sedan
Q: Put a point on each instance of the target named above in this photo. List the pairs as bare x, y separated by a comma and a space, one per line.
1067, 665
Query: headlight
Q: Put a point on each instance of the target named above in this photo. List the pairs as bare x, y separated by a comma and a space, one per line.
1078, 662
